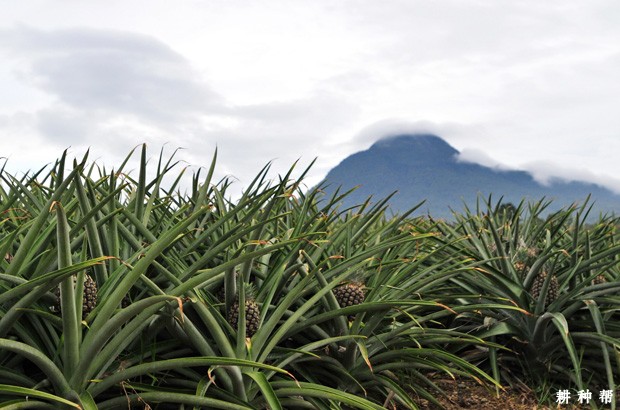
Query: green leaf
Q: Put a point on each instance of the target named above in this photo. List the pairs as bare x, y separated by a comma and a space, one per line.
169, 398
52, 277
364, 353
23, 391
46, 365
70, 321
161, 365
313, 390
265, 387
87, 401
560, 322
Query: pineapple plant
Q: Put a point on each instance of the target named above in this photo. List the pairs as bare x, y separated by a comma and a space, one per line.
350, 294
119, 221
167, 319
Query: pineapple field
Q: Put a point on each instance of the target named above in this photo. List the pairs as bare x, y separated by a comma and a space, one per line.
122, 290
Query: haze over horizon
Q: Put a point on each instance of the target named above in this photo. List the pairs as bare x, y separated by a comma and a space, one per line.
528, 85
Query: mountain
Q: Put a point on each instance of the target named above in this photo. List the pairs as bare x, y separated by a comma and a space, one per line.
425, 167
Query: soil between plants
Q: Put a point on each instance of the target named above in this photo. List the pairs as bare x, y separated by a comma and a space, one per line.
468, 394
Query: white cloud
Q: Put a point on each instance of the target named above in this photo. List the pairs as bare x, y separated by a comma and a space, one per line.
475, 156
118, 89
548, 172
116, 72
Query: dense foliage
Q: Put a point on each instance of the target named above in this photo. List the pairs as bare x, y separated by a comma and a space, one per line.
169, 273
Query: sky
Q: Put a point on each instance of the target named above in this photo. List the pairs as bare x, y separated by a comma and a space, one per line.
524, 84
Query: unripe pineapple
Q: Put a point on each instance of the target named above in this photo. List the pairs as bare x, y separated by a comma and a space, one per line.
350, 294
532, 252
252, 316
520, 267
89, 298
89, 301
552, 290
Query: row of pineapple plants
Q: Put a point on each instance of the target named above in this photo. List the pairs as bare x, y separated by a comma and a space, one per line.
559, 269
121, 289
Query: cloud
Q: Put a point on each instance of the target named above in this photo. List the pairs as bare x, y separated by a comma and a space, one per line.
449, 131
119, 88
547, 172
113, 72
518, 82
314, 117
66, 126
111, 90
279, 131
476, 156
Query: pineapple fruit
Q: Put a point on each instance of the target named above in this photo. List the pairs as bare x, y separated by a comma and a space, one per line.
252, 311
350, 294
89, 299
552, 289
252, 316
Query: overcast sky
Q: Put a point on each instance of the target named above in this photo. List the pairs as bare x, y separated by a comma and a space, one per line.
526, 84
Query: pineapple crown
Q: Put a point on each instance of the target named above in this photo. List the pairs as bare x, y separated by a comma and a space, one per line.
525, 252
250, 291
547, 268
358, 281
358, 278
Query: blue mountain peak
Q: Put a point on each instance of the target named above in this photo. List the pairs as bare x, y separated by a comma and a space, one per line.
418, 148
424, 167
